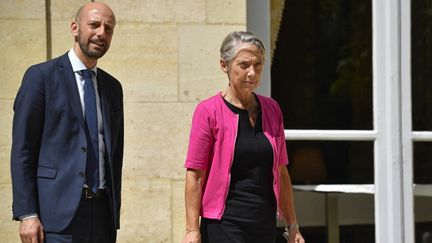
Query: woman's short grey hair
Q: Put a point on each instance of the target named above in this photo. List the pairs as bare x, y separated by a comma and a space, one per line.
232, 42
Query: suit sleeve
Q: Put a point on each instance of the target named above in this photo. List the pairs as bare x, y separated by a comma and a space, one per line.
28, 120
118, 156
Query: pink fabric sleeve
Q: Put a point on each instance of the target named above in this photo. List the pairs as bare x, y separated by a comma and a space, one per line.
200, 140
281, 143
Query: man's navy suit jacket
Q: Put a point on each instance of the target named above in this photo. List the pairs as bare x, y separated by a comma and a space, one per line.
48, 158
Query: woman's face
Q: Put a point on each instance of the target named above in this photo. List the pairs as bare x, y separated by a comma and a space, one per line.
244, 71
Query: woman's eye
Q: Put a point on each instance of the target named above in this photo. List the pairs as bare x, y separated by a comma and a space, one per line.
243, 65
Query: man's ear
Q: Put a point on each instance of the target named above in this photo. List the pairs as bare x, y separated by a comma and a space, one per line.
74, 27
223, 65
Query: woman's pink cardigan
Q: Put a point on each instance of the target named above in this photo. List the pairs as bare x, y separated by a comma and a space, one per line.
211, 148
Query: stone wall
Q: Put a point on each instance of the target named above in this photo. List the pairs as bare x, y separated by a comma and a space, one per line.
165, 53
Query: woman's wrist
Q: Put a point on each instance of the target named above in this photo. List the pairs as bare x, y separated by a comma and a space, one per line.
290, 227
192, 230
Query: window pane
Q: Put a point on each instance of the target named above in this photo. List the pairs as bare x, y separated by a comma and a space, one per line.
423, 219
423, 162
421, 51
322, 64
321, 162
421, 61
350, 234
422, 202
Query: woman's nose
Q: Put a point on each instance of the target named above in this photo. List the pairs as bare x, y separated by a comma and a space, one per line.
251, 71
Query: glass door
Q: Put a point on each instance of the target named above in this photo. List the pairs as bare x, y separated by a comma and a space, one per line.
353, 78
321, 75
421, 117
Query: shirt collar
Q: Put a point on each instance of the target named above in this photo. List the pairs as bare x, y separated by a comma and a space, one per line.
77, 64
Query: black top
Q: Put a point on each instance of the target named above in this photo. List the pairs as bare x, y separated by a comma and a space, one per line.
251, 195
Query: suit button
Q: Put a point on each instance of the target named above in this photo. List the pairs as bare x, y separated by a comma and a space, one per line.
81, 174
83, 149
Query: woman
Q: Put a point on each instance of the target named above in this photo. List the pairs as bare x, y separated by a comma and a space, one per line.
236, 176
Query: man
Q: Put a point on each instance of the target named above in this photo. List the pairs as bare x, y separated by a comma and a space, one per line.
67, 147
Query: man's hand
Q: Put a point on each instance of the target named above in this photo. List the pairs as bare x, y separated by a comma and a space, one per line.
31, 231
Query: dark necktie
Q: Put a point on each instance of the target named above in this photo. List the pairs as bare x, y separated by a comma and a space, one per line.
92, 168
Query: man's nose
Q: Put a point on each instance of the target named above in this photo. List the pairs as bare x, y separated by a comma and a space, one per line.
101, 31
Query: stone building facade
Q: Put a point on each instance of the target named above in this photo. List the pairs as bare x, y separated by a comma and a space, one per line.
165, 53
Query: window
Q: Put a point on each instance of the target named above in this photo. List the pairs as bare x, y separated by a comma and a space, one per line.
421, 93
353, 80
321, 75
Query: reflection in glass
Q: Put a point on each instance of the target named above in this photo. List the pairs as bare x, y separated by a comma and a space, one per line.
330, 162
421, 61
322, 65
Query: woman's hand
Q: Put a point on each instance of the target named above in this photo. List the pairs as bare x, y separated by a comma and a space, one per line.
287, 206
193, 191
295, 236
192, 236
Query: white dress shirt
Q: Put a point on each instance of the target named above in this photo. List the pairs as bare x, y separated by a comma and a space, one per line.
77, 66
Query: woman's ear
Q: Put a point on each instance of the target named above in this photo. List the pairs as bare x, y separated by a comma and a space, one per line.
223, 65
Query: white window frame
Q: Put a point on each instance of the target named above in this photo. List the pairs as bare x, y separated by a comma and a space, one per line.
392, 133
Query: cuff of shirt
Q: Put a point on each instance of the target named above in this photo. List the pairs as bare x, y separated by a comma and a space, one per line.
28, 216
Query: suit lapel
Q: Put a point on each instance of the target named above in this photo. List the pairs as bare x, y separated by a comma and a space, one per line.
106, 111
72, 89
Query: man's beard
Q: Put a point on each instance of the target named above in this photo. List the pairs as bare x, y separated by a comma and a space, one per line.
84, 46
